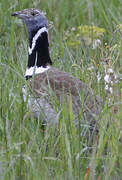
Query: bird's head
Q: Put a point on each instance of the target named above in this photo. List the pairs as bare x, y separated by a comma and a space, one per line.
33, 18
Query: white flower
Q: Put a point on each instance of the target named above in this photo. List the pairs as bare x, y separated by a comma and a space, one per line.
111, 90
96, 43
98, 77
106, 87
73, 29
115, 76
112, 83
110, 70
107, 78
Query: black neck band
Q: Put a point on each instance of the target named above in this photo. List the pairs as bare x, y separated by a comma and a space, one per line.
40, 50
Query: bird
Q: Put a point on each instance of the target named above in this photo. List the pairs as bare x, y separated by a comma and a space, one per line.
48, 87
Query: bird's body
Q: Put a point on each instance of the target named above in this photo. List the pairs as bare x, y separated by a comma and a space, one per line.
54, 87
49, 87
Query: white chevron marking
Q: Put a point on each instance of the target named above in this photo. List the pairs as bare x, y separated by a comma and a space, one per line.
35, 70
39, 32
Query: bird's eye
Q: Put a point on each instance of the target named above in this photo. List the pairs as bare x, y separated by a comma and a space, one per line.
33, 13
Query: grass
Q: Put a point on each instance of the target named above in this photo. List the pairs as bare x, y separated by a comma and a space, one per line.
62, 152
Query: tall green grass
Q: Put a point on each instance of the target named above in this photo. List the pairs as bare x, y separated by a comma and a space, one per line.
63, 152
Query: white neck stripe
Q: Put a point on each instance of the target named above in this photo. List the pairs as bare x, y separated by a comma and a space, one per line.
35, 70
39, 32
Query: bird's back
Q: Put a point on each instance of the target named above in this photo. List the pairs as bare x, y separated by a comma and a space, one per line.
64, 88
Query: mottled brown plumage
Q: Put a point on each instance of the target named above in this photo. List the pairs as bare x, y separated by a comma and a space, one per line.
60, 85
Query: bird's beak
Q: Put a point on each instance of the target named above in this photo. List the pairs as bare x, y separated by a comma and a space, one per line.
19, 14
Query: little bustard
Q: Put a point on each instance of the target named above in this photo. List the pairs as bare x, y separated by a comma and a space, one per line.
46, 81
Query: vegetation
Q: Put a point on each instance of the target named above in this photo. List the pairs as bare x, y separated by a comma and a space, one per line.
85, 40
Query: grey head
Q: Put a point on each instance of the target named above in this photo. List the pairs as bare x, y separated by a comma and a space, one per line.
33, 18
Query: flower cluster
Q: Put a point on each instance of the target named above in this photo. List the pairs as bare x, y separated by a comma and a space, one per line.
84, 33
102, 69
91, 31
110, 79
119, 27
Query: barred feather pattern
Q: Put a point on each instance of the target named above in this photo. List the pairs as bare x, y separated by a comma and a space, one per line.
56, 85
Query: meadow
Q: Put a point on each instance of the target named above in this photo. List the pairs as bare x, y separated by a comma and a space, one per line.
85, 40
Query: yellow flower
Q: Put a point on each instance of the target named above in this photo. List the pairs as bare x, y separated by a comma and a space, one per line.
93, 31
119, 26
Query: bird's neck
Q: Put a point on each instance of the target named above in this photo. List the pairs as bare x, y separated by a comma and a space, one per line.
38, 53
